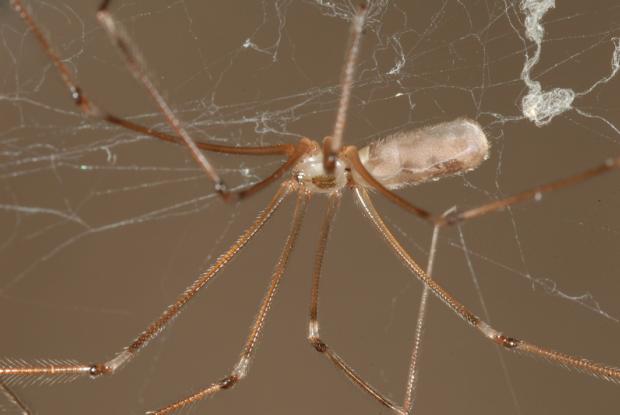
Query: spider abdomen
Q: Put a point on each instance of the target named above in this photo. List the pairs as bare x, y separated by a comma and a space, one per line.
427, 153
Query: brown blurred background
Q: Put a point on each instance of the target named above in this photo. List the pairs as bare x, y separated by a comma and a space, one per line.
100, 229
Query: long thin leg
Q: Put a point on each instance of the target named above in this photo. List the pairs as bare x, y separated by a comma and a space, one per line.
272, 150
313, 325
334, 144
339, 362
241, 368
16, 370
351, 153
88, 107
487, 317
136, 65
416, 352
535, 193
292, 151
599, 370
14, 399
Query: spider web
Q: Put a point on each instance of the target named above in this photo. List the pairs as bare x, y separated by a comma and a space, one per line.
101, 227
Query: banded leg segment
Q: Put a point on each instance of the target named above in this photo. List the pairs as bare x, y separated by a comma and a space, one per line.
241, 368
67, 370
599, 370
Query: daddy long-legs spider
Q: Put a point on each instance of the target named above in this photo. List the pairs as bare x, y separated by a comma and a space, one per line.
86, 305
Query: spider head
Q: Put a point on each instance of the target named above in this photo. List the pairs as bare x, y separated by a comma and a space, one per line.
310, 172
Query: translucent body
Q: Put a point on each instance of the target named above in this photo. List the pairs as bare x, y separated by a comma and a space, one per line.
417, 156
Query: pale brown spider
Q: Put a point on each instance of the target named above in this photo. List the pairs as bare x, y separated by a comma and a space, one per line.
329, 168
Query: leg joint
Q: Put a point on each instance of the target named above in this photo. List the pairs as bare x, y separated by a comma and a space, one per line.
507, 342
241, 369
228, 382
318, 344
98, 369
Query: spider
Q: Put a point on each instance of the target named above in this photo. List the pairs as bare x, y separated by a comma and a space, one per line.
311, 168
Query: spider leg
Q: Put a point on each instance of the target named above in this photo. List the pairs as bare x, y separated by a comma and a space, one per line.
346, 85
18, 370
241, 368
276, 149
416, 352
351, 153
136, 65
292, 151
535, 193
586, 366
322, 347
134, 62
313, 325
14, 399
